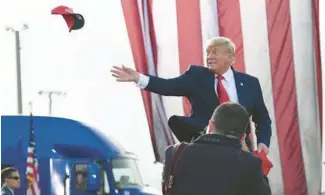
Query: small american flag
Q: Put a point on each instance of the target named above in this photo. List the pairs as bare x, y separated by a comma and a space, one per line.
32, 163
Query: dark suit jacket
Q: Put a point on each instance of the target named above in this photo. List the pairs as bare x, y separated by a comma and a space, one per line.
197, 84
5, 191
214, 164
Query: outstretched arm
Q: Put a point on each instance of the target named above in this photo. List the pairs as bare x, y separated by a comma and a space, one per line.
179, 86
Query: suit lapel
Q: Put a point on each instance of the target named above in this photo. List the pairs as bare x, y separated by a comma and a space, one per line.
7, 190
240, 87
210, 82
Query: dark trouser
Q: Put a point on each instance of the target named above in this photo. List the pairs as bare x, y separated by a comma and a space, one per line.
187, 132
183, 131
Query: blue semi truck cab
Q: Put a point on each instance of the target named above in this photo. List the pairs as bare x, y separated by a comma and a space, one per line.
73, 158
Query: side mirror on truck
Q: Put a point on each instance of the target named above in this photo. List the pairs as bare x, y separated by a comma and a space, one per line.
93, 177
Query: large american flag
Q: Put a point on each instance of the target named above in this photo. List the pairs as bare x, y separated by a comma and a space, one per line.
32, 163
276, 40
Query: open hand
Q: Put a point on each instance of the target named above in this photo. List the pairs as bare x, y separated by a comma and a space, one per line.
124, 74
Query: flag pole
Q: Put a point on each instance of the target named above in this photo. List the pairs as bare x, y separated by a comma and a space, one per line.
29, 178
30, 108
32, 172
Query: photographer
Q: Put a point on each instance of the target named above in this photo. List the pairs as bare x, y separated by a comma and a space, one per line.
215, 163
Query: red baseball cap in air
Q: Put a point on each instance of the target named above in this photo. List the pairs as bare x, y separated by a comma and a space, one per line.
74, 21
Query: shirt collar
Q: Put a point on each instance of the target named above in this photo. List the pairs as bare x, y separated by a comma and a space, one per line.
219, 140
11, 190
228, 75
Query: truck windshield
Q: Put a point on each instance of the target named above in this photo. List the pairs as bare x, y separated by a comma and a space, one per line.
126, 173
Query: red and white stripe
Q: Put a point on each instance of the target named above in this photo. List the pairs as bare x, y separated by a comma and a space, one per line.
139, 20
320, 18
277, 41
32, 173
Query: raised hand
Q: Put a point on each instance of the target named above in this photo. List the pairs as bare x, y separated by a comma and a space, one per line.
124, 74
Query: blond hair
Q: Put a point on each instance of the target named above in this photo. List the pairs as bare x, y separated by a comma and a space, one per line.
222, 41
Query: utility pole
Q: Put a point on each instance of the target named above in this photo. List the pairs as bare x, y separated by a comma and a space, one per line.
18, 66
49, 94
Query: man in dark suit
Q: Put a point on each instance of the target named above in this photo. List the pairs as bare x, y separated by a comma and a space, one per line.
206, 88
10, 180
215, 163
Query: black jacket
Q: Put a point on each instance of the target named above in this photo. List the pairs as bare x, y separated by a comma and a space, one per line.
214, 164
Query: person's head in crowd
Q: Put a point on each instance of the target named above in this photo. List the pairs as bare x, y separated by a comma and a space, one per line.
10, 177
81, 176
229, 119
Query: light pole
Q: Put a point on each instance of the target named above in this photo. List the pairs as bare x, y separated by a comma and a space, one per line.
49, 94
18, 66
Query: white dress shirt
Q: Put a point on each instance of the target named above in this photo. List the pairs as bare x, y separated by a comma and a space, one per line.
143, 81
228, 82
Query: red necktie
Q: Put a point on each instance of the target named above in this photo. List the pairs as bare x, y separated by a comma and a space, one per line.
222, 93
